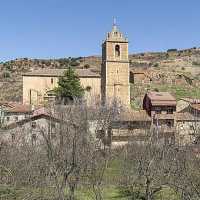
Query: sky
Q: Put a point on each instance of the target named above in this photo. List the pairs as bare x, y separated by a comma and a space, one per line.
65, 28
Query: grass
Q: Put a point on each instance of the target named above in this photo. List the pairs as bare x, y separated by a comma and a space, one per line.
179, 91
110, 191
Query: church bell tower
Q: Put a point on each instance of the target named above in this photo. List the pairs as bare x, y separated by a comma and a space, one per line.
115, 84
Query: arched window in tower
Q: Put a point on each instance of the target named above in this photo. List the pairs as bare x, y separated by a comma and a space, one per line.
117, 50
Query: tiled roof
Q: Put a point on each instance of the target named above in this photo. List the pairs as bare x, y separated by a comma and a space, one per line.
186, 116
131, 115
59, 72
189, 100
161, 98
164, 116
15, 107
195, 106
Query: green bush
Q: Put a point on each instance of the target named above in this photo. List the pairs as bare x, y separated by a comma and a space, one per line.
86, 66
74, 63
196, 63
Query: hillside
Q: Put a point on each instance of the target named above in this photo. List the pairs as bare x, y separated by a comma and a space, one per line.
177, 71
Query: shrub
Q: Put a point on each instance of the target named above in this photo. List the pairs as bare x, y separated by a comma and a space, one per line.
196, 63
75, 63
171, 50
86, 66
156, 65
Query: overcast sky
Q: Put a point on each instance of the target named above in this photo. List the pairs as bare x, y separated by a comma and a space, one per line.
63, 28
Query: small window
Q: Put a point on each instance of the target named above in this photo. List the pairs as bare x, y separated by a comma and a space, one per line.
88, 88
51, 80
13, 137
34, 138
170, 111
158, 111
53, 125
16, 118
117, 50
169, 124
33, 124
7, 119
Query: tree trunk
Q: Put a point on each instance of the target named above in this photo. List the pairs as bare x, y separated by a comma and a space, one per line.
148, 191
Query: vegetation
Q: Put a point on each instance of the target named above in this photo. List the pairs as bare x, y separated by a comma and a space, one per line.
178, 91
69, 87
71, 163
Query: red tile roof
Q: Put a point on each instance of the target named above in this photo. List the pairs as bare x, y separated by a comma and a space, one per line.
161, 98
186, 116
196, 106
15, 107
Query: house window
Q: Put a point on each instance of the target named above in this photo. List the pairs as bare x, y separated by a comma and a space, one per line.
53, 125
33, 124
158, 111
16, 118
33, 138
7, 119
191, 127
170, 111
169, 124
13, 137
117, 50
51, 80
53, 131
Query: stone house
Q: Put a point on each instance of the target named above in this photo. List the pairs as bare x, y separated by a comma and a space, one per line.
188, 105
11, 112
130, 126
139, 77
187, 128
30, 129
161, 107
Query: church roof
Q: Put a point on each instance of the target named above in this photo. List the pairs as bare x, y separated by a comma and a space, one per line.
82, 73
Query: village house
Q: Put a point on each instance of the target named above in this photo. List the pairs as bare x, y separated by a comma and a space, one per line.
187, 128
30, 129
139, 76
131, 126
159, 103
11, 112
161, 107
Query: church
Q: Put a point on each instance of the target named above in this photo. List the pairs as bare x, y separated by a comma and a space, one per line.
112, 84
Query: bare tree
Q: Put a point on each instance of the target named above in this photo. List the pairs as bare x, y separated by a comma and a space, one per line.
147, 167
76, 152
185, 176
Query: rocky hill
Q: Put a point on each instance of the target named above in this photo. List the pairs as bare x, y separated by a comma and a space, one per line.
177, 71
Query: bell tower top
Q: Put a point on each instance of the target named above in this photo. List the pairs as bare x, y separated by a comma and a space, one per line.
115, 34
